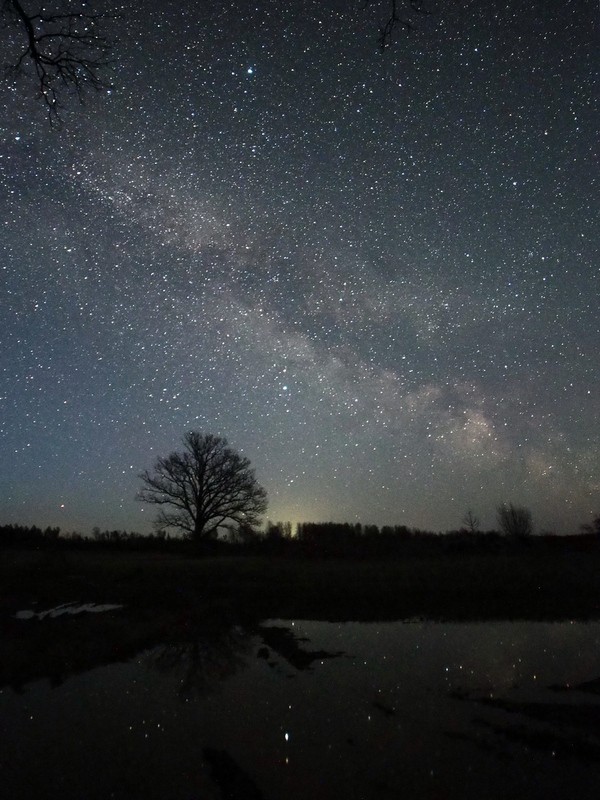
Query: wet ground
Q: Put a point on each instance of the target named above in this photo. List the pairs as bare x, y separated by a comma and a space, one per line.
292, 709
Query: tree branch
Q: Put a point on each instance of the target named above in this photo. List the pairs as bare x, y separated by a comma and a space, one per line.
395, 19
67, 50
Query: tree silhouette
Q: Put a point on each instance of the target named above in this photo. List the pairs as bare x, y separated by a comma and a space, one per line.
66, 48
205, 487
593, 527
471, 521
515, 521
397, 18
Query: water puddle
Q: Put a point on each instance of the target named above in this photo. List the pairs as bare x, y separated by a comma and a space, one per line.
296, 709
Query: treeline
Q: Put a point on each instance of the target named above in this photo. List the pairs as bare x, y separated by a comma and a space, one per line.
310, 540
347, 540
20, 535
54, 538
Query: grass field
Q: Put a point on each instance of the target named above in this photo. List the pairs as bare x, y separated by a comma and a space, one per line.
523, 585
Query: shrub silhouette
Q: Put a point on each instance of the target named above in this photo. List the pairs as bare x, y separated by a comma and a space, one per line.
515, 521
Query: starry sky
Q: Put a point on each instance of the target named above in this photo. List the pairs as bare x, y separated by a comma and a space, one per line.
376, 274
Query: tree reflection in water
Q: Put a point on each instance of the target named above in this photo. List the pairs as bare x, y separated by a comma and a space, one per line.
184, 706
212, 655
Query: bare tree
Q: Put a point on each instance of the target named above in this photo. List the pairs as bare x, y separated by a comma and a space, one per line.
66, 49
515, 521
398, 16
205, 487
471, 522
593, 527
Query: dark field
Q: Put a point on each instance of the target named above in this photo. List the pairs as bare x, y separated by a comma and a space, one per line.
529, 584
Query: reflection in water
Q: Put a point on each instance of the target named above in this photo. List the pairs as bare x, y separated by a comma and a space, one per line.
215, 655
420, 710
593, 687
197, 664
233, 782
285, 643
570, 729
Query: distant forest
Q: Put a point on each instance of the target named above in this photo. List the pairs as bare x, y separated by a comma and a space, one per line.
310, 540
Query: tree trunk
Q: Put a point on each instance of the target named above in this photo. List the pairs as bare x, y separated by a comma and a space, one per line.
198, 530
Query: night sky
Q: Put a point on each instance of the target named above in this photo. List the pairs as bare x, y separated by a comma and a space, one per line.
375, 273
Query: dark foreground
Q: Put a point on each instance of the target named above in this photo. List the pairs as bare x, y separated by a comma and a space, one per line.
526, 585
294, 709
202, 680
168, 597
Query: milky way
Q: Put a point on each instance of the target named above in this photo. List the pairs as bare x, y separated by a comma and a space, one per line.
375, 273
